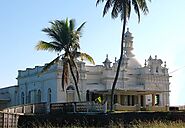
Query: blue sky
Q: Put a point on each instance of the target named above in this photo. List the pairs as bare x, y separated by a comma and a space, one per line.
159, 33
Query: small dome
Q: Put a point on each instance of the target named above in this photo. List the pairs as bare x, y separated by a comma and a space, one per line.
107, 60
150, 58
128, 34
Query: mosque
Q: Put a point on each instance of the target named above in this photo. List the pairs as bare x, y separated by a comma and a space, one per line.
138, 87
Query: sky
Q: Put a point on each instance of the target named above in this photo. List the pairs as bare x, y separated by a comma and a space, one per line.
160, 33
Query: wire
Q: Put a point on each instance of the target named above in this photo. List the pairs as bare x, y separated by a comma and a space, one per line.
177, 70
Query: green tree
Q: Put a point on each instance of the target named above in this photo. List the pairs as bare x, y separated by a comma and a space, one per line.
65, 42
122, 8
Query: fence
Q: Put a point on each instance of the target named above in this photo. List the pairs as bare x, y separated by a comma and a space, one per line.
8, 120
39, 108
77, 107
42, 108
9, 116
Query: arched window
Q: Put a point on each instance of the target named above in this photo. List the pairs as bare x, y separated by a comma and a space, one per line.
87, 95
70, 91
22, 98
157, 69
39, 96
49, 95
29, 97
157, 99
15, 97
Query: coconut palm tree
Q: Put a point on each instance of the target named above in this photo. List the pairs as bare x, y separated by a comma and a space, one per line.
65, 42
122, 8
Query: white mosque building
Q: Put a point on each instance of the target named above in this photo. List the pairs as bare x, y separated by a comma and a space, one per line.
138, 86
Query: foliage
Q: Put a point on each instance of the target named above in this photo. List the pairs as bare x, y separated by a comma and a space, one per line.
65, 42
122, 8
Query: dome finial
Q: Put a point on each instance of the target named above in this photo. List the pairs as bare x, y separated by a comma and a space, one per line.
128, 29
107, 62
165, 64
145, 62
155, 56
150, 58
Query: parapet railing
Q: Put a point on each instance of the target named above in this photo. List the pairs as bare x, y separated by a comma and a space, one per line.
67, 107
38, 108
8, 120
77, 107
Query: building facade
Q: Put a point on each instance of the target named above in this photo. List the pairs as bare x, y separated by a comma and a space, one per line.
137, 86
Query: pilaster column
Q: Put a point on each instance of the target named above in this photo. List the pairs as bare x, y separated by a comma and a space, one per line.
144, 101
130, 100
139, 100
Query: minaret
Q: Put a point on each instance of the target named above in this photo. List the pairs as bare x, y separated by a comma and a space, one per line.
127, 47
128, 44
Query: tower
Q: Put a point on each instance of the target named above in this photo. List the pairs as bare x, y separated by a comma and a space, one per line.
129, 64
128, 44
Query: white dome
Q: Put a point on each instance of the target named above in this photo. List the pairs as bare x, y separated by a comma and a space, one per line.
133, 63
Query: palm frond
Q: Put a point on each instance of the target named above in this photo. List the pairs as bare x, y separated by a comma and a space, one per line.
47, 66
60, 47
119, 7
52, 34
42, 45
98, 1
143, 6
67, 22
136, 8
124, 10
128, 8
107, 7
72, 25
86, 57
56, 29
59, 32
115, 10
75, 46
79, 29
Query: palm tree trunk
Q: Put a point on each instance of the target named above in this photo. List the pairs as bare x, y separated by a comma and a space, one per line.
119, 63
63, 78
75, 81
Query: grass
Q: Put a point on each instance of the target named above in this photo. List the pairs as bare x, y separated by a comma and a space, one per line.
134, 124
159, 124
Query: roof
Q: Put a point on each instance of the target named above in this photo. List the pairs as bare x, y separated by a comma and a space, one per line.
4, 97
